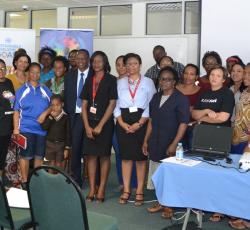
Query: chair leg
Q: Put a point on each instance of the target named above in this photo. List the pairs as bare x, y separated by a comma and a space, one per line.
2, 228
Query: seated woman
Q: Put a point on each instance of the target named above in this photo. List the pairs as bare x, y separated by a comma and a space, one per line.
169, 116
192, 91
215, 106
241, 137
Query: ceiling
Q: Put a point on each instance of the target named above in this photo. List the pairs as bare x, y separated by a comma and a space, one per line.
11, 5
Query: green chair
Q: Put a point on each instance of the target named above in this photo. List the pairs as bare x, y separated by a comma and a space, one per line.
56, 202
12, 218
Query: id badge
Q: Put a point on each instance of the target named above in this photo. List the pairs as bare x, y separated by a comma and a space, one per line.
133, 109
93, 110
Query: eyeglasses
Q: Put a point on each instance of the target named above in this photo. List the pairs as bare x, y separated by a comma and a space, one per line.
2, 68
166, 79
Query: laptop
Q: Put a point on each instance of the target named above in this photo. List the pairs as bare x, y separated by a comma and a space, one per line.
211, 141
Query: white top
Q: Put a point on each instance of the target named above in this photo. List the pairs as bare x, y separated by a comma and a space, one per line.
85, 75
143, 96
163, 99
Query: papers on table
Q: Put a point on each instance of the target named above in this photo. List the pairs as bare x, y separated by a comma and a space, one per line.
186, 162
17, 198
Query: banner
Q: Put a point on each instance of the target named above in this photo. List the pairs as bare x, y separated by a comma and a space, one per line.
65, 40
13, 39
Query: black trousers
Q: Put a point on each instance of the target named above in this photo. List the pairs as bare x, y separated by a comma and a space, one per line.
4, 144
76, 126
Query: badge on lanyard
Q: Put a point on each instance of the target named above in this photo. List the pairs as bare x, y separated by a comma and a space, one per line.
133, 109
95, 86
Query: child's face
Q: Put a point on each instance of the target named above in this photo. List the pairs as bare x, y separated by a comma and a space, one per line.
56, 106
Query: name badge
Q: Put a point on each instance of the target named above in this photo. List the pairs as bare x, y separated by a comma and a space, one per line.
133, 109
93, 110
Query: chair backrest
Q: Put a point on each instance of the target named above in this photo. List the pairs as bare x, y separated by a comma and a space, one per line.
56, 202
5, 214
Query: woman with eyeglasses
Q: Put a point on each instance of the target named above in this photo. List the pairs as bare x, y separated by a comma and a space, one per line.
169, 116
7, 97
132, 111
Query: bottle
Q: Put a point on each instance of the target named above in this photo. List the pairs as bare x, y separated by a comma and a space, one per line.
179, 152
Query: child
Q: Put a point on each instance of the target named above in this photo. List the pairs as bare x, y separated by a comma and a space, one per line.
58, 137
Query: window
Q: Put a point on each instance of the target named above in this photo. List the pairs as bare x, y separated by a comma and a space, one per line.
116, 20
43, 19
164, 18
18, 19
192, 17
84, 18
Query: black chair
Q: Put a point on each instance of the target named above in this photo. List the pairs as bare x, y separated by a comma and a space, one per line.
12, 218
56, 202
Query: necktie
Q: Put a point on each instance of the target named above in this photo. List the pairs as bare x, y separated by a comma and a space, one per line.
80, 86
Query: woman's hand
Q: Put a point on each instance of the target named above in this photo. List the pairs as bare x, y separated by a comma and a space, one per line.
16, 133
89, 133
171, 149
134, 127
145, 148
125, 126
97, 130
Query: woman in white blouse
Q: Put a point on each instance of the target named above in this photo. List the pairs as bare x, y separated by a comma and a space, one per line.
132, 111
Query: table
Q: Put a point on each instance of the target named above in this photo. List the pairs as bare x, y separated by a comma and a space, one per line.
205, 187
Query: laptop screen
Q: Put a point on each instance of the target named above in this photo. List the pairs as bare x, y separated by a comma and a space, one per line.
213, 138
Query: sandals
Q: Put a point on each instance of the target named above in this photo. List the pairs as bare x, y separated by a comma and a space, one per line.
216, 217
90, 198
167, 213
156, 208
124, 199
239, 224
139, 202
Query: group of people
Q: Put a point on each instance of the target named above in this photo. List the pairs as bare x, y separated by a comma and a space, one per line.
76, 107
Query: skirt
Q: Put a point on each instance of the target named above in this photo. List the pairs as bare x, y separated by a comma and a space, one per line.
102, 144
130, 144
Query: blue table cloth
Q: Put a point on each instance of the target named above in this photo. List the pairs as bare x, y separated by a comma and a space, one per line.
204, 186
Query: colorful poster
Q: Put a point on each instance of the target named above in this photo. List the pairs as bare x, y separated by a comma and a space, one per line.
65, 40
13, 39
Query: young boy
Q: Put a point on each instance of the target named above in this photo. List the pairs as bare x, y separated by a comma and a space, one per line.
58, 137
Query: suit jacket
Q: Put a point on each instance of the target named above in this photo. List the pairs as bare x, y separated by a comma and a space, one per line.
70, 90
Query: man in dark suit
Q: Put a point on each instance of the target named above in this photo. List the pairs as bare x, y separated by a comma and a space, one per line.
73, 86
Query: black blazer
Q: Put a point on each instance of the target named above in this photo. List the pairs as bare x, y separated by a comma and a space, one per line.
70, 90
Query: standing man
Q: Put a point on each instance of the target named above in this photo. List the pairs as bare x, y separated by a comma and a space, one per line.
73, 86
153, 71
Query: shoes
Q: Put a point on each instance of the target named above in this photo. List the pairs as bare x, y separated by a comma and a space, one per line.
24, 185
90, 198
239, 224
216, 217
124, 197
139, 202
167, 213
100, 199
156, 208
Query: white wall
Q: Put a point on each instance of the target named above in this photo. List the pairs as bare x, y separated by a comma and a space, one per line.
183, 48
226, 29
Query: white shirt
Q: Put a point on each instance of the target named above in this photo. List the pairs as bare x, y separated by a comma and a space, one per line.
79, 109
143, 96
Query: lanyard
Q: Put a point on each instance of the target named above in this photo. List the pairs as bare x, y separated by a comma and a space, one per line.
95, 87
136, 87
